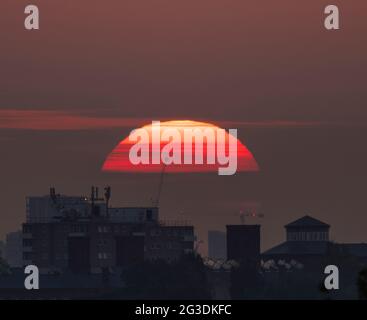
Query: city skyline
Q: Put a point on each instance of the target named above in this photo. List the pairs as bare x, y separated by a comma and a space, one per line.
245, 216
73, 89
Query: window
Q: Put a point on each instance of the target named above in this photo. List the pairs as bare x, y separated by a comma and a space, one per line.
27, 256
171, 246
149, 215
155, 232
103, 229
102, 256
27, 228
27, 242
77, 228
102, 242
96, 211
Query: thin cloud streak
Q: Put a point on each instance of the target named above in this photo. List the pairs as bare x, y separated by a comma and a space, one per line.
67, 121
274, 124
56, 120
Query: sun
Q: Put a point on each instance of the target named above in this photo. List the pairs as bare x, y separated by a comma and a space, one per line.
180, 154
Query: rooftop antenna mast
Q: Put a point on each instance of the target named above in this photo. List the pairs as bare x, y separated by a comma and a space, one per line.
107, 196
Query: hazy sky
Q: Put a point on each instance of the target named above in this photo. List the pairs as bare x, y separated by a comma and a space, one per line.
96, 69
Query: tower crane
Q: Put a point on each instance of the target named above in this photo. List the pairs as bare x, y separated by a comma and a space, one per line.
246, 214
160, 185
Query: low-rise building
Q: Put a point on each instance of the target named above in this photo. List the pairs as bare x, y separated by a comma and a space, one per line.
307, 242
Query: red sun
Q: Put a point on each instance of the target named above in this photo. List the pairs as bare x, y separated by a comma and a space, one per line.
172, 135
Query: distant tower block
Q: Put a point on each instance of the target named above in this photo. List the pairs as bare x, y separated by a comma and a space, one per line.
217, 244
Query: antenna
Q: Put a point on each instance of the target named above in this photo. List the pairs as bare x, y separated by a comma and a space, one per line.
107, 196
92, 194
53, 194
92, 197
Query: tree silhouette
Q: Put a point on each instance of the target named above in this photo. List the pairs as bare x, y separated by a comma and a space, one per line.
362, 284
183, 279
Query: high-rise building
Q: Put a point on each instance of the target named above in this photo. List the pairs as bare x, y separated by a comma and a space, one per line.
86, 235
217, 244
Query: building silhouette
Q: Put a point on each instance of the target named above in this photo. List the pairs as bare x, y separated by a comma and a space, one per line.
2, 248
243, 243
243, 246
307, 239
13, 249
308, 242
294, 269
307, 229
85, 235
